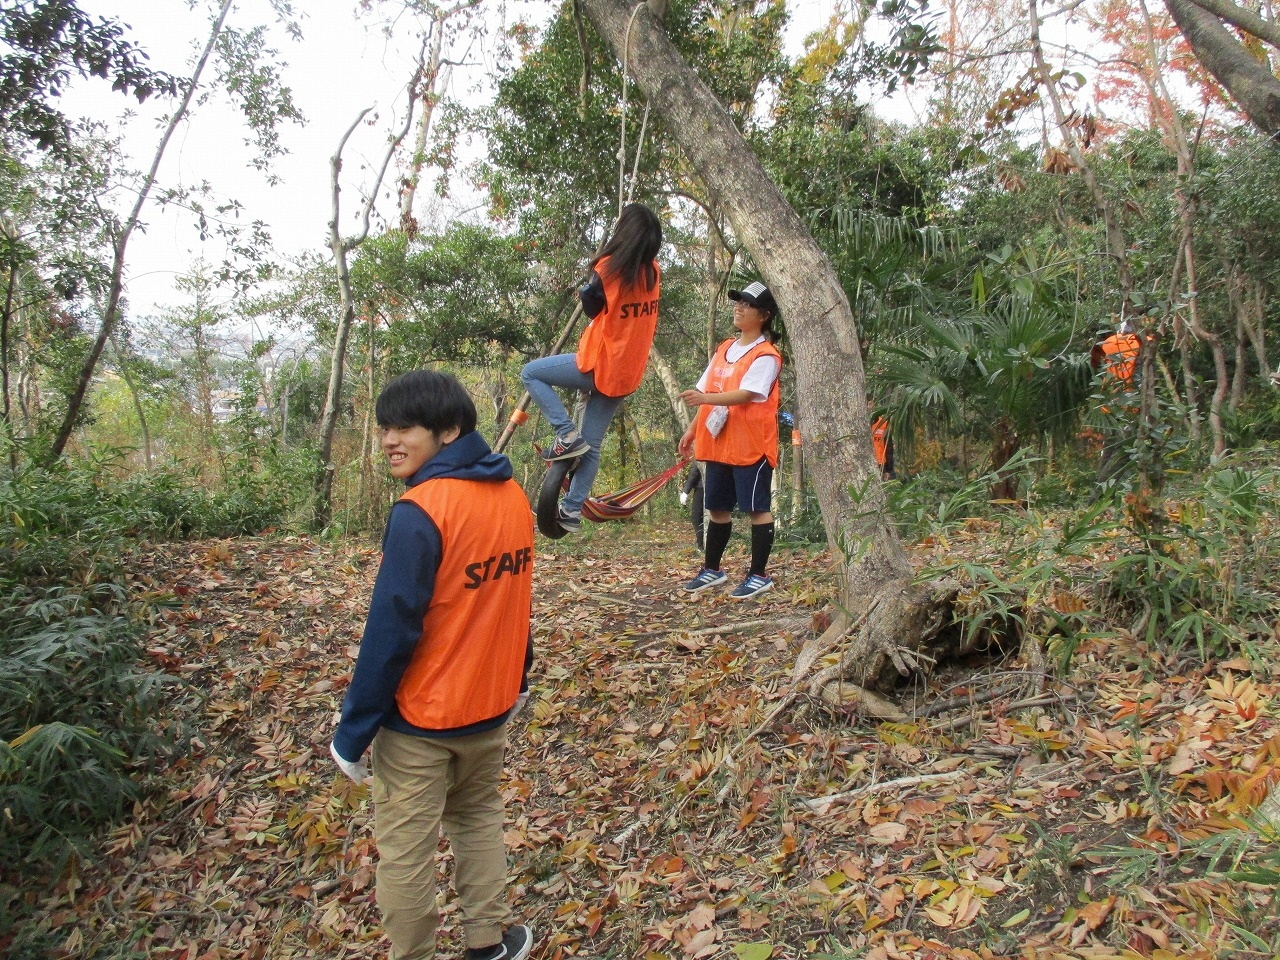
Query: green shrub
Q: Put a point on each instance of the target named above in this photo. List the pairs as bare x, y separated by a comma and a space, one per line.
80, 714
1199, 568
1193, 571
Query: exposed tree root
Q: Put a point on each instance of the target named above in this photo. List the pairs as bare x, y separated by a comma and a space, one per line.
904, 632
900, 634
860, 700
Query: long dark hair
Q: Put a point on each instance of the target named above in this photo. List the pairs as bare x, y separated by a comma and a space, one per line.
633, 246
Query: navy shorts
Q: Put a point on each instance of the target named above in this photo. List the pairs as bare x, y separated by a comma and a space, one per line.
747, 488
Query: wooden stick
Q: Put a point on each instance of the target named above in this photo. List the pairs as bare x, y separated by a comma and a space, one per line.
505, 436
822, 804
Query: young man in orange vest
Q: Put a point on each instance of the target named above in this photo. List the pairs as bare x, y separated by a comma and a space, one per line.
442, 669
735, 433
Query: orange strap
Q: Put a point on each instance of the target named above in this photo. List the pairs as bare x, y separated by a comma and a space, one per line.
518, 417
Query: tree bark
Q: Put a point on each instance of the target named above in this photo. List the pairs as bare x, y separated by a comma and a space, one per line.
435, 82
824, 337
1254, 88
1188, 210
670, 386
112, 314
1246, 20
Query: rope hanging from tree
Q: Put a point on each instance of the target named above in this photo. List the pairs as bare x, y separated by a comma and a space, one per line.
626, 192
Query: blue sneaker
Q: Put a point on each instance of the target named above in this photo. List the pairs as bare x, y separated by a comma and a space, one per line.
705, 578
752, 586
564, 449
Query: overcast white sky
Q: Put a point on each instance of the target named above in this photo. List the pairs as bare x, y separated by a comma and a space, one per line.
342, 66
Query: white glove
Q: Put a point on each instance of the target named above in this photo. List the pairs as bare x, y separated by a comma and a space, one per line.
358, 771
684, 498
520, 702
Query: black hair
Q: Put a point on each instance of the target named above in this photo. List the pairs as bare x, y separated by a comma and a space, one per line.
426, 398
634, 244
767, 327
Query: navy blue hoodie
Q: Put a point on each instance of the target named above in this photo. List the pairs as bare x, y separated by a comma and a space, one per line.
411, 550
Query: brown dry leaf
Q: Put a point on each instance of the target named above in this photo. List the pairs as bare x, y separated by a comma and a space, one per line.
889, 832
256, 821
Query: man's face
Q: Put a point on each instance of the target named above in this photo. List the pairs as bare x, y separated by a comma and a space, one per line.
408, 448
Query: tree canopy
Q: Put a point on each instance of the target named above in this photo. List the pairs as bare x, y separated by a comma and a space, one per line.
46, 42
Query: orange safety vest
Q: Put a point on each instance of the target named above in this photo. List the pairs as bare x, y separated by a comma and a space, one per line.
469, 660
880, 439
1120, 355
1119, 361
751, 432
615, 346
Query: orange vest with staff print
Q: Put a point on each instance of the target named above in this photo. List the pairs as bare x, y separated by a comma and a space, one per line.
615, 346
751, 431
469, 660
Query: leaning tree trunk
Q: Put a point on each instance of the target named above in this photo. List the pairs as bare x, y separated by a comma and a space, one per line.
824, 339
1254, 88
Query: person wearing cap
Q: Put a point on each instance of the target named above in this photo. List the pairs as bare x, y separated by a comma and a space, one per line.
735, 434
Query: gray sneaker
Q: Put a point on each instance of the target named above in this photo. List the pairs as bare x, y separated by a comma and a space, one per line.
564, 449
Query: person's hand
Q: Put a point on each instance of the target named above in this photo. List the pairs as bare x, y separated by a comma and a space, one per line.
520, 702
357, 771
685, 446
693, 398
684, 498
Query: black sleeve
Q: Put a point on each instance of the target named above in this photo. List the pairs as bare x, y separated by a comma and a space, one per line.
693, 479
592, 296
528, 662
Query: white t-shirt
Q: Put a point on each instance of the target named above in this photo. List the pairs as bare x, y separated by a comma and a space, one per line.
759, 376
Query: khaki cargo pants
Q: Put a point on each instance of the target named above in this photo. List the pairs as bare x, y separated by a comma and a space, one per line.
419, 784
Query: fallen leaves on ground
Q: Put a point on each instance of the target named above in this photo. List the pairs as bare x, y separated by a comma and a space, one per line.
1066, 830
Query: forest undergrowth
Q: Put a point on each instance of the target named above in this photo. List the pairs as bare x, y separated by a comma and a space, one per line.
653, 809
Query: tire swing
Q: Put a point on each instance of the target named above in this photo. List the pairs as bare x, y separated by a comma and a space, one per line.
549, 498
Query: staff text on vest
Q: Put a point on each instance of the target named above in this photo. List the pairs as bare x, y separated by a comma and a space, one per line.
495, 567
643, 308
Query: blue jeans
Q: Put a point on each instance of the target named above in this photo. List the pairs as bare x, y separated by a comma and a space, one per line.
540, 377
